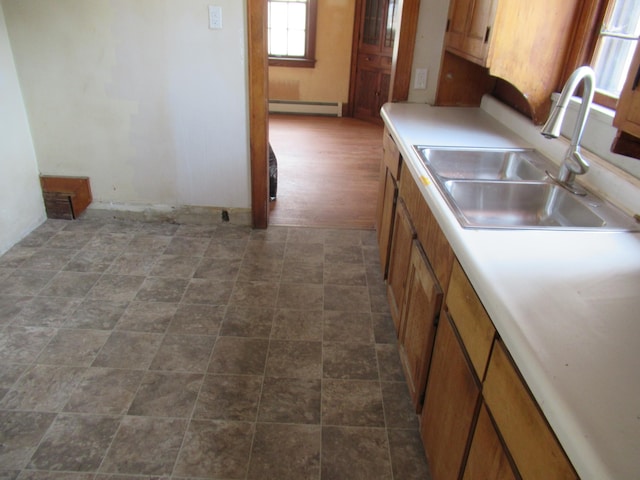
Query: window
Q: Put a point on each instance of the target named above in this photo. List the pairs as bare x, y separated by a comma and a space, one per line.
614, 48
606, 37
291, 33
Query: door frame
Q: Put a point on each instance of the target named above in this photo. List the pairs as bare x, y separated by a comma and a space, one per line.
259, 89
258, 111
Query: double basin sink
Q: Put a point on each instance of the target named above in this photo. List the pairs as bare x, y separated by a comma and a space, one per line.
510, 189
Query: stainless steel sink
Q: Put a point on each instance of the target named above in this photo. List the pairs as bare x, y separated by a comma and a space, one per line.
509, 189
519, 205
484, 164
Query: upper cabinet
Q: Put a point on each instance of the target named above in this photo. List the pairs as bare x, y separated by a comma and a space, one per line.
469, 27
519, 41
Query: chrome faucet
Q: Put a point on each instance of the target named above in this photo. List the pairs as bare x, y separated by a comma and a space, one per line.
573, 163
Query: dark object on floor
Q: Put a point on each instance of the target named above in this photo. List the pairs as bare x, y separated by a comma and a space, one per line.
273, 174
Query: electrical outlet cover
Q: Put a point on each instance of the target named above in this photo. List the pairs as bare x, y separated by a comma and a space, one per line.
215, 17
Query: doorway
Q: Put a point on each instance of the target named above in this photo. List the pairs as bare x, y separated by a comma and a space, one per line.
407, 17
328, 171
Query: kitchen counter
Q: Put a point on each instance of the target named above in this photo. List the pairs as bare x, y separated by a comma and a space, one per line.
566, 303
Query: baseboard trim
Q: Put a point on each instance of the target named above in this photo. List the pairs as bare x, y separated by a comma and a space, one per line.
186, 214
330, 109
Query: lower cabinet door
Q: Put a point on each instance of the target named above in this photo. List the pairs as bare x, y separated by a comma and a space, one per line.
387, 195
487, 458
421, 306
451, 400
532, 444
399, 256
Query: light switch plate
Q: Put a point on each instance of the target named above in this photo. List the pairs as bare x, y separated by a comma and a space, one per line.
215, 17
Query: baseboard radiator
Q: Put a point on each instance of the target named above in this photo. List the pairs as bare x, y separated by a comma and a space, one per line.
306, 108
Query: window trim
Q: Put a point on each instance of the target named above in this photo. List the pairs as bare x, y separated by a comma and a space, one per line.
309, 59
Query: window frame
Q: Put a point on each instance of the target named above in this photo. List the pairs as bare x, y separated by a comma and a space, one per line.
309, 58
588, 26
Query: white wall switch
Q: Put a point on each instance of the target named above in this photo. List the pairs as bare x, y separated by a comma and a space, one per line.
215, 17
420, 79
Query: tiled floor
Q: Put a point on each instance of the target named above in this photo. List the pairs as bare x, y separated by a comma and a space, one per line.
191, 351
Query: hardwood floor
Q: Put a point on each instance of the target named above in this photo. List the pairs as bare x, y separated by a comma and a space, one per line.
327, 171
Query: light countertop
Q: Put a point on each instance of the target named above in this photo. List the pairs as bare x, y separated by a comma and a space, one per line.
566, 303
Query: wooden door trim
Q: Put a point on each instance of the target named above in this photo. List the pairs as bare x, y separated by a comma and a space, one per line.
258, 111
403, 48
355, 41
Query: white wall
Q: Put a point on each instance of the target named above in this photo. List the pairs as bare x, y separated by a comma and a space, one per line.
432, 21
141, 96
21, 205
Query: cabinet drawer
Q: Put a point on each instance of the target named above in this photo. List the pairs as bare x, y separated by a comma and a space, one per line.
531, 442
391, 155
368, 60
385, 62
471, 319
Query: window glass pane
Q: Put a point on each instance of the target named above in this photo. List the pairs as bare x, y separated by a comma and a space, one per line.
624, 18
278, 42
296, 43
287, 27
390, 33
278, 16
615, 47
297, 16
372, 22
612, 62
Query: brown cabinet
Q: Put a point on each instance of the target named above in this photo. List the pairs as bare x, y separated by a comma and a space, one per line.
420, 310
461, 353
469, 28
450, 403
524, 43
488, 459
375, 52
533, 446
372, 91
477, 417
387, 197
399, 256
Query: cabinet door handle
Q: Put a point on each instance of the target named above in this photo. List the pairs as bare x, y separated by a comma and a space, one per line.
486, 35
636, 80
448, 24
